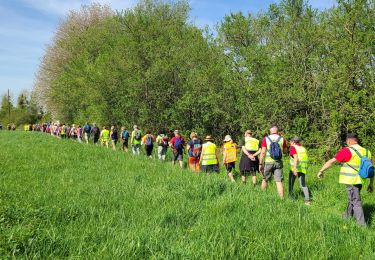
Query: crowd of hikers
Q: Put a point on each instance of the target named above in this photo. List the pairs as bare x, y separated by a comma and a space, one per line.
258, 157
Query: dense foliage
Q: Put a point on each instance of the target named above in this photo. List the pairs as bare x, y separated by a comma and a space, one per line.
310, 72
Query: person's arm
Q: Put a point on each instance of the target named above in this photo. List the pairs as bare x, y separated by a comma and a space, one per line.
131, 138
370, 187
188, 147
295, 163
257, 153
261, 158
200, 157
224, 156
326, 166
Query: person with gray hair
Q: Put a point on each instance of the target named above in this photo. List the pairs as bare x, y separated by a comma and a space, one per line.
298, 167
273, 146
135, 140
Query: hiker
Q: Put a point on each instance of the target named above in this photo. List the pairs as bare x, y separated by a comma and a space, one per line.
352, 159
273, 147
124, 139
95, 133
79, 133
104, 136
114, 137
73, 132
177, 144
135, 140
249, 163
162, 141
86, 132
298, 166
67, 131
194, 148
229, 156
209, 161
13, 126
148, 141
63, 131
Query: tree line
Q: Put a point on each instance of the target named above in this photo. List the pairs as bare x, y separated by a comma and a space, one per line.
310, 72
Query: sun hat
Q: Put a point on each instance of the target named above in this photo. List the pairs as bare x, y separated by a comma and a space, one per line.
208, 138
227, 138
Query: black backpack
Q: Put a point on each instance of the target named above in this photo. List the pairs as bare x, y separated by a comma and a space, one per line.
137, 135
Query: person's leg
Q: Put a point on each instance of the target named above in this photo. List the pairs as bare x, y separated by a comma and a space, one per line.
113, 145
230, 170
278, 174
291, 180
304, 188
357, 205
160, 152
349, 208
181, 160
151, 149
243, 177
254, 177
267, 174
138, 147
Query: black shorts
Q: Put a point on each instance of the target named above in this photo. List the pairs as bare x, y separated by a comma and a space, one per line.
148, 149
230, 166
210, 168
125, 143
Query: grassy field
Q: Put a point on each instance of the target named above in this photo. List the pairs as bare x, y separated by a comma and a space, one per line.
62, 199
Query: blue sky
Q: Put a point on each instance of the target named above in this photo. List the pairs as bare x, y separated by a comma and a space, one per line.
27, 27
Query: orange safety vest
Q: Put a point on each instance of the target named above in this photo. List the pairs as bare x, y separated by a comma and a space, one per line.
229, 152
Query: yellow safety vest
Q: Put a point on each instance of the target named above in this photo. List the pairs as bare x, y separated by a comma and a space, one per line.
251, 144
349, 170
230, 152
208, 156
303, 160
268, 156
105, 135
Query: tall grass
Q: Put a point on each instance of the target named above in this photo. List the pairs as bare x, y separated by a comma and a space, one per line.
63, 199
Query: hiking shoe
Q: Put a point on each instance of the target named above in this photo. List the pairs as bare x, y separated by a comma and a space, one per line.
308, 203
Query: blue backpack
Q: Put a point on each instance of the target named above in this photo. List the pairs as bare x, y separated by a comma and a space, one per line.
178, 144
366, 168
148, 140
275, 149
125, 134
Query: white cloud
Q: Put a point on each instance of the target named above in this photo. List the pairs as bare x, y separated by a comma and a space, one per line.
61, 8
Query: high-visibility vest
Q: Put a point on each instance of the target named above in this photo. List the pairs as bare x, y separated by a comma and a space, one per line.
208, 156
303, 160
251, 144
230, 152
268, 156
349, 170
105, 135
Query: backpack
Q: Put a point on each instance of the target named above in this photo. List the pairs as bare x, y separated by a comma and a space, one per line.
275, 149
196, 150
87, 129
95, 131
125, 134
137, 135
366, 168
163, 141
148, 140
178, 144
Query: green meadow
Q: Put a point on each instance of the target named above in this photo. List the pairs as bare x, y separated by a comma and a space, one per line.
62, 199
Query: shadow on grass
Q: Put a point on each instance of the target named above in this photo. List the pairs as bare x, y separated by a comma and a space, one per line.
369, 210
